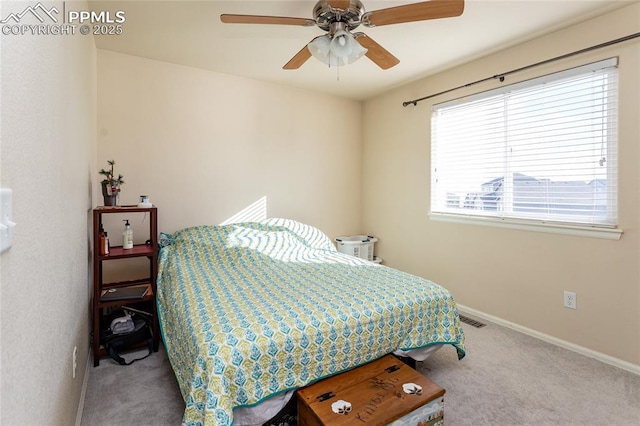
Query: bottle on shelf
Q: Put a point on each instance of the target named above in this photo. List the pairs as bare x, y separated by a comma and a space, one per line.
127, 236
105, 247
104, 241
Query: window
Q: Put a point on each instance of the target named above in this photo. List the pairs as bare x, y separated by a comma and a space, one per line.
538, 152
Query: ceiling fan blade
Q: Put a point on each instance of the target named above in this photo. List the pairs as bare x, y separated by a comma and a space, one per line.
299, 58
257, 19
339, 4
434, 9
378, 54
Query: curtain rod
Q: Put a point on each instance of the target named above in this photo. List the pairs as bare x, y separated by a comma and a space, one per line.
501, 76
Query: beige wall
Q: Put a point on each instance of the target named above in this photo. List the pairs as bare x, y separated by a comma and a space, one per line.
518, 276
205, 146
48, 149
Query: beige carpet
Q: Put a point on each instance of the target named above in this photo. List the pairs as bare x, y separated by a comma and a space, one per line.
507, 378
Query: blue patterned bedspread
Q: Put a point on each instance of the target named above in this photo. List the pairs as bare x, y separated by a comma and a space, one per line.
251, 310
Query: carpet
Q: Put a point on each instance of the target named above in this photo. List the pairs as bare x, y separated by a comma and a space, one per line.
507, 378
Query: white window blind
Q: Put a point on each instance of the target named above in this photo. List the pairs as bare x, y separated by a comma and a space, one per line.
542, 150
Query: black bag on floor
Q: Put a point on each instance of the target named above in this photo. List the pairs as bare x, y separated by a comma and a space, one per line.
138, 329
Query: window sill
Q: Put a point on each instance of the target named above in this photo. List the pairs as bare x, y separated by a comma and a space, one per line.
551, 228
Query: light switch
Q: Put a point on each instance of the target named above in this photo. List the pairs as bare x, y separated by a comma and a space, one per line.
6, 222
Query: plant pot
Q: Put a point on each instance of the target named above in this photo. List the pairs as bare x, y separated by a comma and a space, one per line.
110, 194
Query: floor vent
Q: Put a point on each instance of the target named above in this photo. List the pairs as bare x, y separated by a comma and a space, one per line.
473, 323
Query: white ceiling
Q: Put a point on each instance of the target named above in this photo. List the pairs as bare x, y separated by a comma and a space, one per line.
190, 33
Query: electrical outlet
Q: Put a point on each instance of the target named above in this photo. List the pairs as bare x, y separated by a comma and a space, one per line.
570, 300
75, 360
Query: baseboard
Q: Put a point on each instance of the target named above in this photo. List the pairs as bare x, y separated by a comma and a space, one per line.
607, 359
83, 392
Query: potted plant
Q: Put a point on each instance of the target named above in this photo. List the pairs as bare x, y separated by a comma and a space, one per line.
110, 185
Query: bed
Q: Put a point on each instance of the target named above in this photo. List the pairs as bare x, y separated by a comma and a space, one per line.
249, 312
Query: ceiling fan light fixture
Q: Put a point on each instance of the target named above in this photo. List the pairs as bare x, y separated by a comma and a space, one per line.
346, 48
341, 49
319, 48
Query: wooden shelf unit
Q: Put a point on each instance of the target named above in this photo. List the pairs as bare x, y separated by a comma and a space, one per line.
148, 250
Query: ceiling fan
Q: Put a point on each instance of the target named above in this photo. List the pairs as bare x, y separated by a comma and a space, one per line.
341, 46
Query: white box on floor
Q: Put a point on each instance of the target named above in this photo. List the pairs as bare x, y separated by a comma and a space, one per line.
357, 245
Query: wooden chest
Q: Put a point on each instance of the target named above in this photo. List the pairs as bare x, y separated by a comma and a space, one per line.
385, 391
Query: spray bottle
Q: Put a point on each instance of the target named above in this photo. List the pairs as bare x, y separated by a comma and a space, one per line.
127, 236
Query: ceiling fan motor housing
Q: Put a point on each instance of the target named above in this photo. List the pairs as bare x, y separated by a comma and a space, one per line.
325, 15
